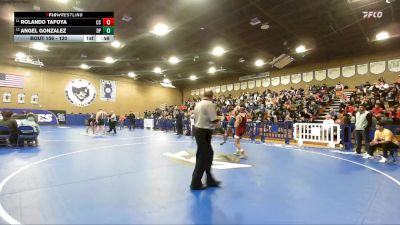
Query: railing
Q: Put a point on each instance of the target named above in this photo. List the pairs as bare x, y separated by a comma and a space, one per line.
317, 132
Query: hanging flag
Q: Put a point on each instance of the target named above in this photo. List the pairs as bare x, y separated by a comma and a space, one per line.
12, 81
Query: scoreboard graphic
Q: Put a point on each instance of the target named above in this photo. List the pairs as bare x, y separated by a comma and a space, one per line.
64, 26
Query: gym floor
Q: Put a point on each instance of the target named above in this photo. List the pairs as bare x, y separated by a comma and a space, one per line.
143, 177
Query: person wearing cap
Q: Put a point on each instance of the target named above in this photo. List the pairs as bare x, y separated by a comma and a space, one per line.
363, 122
385, 139
205, 120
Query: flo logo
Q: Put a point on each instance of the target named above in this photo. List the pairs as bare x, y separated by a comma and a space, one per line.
372, 14
80, 92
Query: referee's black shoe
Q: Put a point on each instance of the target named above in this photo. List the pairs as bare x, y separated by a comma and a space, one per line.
214, 183
198, 187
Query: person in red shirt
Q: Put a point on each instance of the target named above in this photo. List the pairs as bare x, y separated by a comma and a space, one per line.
351, 108
398, 113
240, 129
376, 110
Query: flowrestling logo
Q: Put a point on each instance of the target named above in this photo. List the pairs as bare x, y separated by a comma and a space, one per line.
80, 92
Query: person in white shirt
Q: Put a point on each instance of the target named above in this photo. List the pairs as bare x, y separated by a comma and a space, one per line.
205, 120
328, 122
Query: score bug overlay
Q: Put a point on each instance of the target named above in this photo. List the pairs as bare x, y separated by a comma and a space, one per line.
64, 26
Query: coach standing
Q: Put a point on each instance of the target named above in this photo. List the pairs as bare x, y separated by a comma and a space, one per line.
205, 120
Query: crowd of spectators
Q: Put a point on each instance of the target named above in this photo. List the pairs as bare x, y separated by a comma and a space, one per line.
296, 105
381, 100
299, 105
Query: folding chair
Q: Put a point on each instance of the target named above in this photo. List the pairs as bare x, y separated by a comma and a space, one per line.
4, 135
26, 133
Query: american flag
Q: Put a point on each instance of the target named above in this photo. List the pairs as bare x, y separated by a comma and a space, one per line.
13, 81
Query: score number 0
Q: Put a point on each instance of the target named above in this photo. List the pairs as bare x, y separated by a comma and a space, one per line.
105, 22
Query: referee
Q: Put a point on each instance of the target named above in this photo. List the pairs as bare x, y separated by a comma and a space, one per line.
205, 120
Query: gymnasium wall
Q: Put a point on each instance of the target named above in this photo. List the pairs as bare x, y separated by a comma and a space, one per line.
390, 77
50, 84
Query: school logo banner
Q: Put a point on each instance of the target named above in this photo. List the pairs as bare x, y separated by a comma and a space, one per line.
108, 90
80, 92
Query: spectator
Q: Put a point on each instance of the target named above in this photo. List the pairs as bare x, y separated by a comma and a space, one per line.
339, 87
363, 121
385, 139
30, 121
12, 125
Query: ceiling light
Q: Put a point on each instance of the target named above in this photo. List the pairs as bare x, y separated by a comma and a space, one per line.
218, 51
39, 46
259, 62
160, 29
193, 77
166, 81
109, 59
20, 55
116, 44
265, 26
157, 70
85, 67
173, 60
126, 18
62, 1
131, 74
76, 8
300, 49
382, 36
212, 70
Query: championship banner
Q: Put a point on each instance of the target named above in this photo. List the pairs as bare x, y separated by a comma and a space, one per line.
223, 88
334, 73
348, 71
258, 83
266, 82
308, 76
243, 85
217, 89
193, 92
34, 99
229, 87
275, 81
320, 75
108, 90
197, 91
362, 69
201, 91
21, 98
296, 78
377, 67
285, 79
394, 65
251, 84
7, 97
236, 86
45, 117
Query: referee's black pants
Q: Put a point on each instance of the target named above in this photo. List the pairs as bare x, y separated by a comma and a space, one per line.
204, 157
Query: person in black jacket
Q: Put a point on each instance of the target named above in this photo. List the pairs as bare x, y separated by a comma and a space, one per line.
179, 122
132, 120
12, 125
